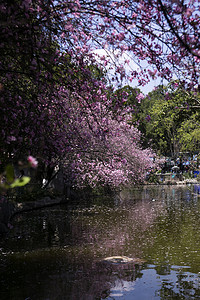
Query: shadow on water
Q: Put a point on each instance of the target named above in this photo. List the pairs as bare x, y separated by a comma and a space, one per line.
57, 253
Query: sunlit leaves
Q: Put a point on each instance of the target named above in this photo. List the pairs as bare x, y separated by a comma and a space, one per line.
9, 180
20, 182
174, 119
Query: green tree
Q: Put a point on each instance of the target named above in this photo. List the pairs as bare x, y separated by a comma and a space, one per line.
169, 119
189, 133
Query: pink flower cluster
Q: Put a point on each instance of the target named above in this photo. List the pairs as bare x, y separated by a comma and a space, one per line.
32, 161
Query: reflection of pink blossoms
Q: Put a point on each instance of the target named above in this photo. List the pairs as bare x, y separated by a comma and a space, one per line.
32, 161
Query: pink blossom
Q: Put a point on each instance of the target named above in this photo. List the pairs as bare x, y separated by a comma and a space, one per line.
121, 36
11, 138
32, 161
139, 97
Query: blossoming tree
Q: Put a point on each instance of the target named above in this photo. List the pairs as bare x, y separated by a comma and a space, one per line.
53, 106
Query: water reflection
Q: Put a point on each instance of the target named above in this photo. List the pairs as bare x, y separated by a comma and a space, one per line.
177, 285
57, 253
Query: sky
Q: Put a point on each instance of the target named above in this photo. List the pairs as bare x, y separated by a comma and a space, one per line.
128, 67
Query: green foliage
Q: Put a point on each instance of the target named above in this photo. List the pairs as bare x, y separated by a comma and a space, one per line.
20, 182
153, 178
130, 94
10, 173
168, 117
174, 120
189, 133
8, 180
97, 72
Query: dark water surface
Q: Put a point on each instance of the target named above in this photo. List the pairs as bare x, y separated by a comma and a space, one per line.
56, 253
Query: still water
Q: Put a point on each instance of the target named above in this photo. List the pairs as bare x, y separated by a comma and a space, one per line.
56, 253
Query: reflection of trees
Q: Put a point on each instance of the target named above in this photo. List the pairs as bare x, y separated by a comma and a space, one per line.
184, 288
165, 231
97, 282
87, 235
163, 269
116, 231
50, 276
106, 230
176, 232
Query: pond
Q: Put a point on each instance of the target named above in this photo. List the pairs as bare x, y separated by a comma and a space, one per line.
57, 253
